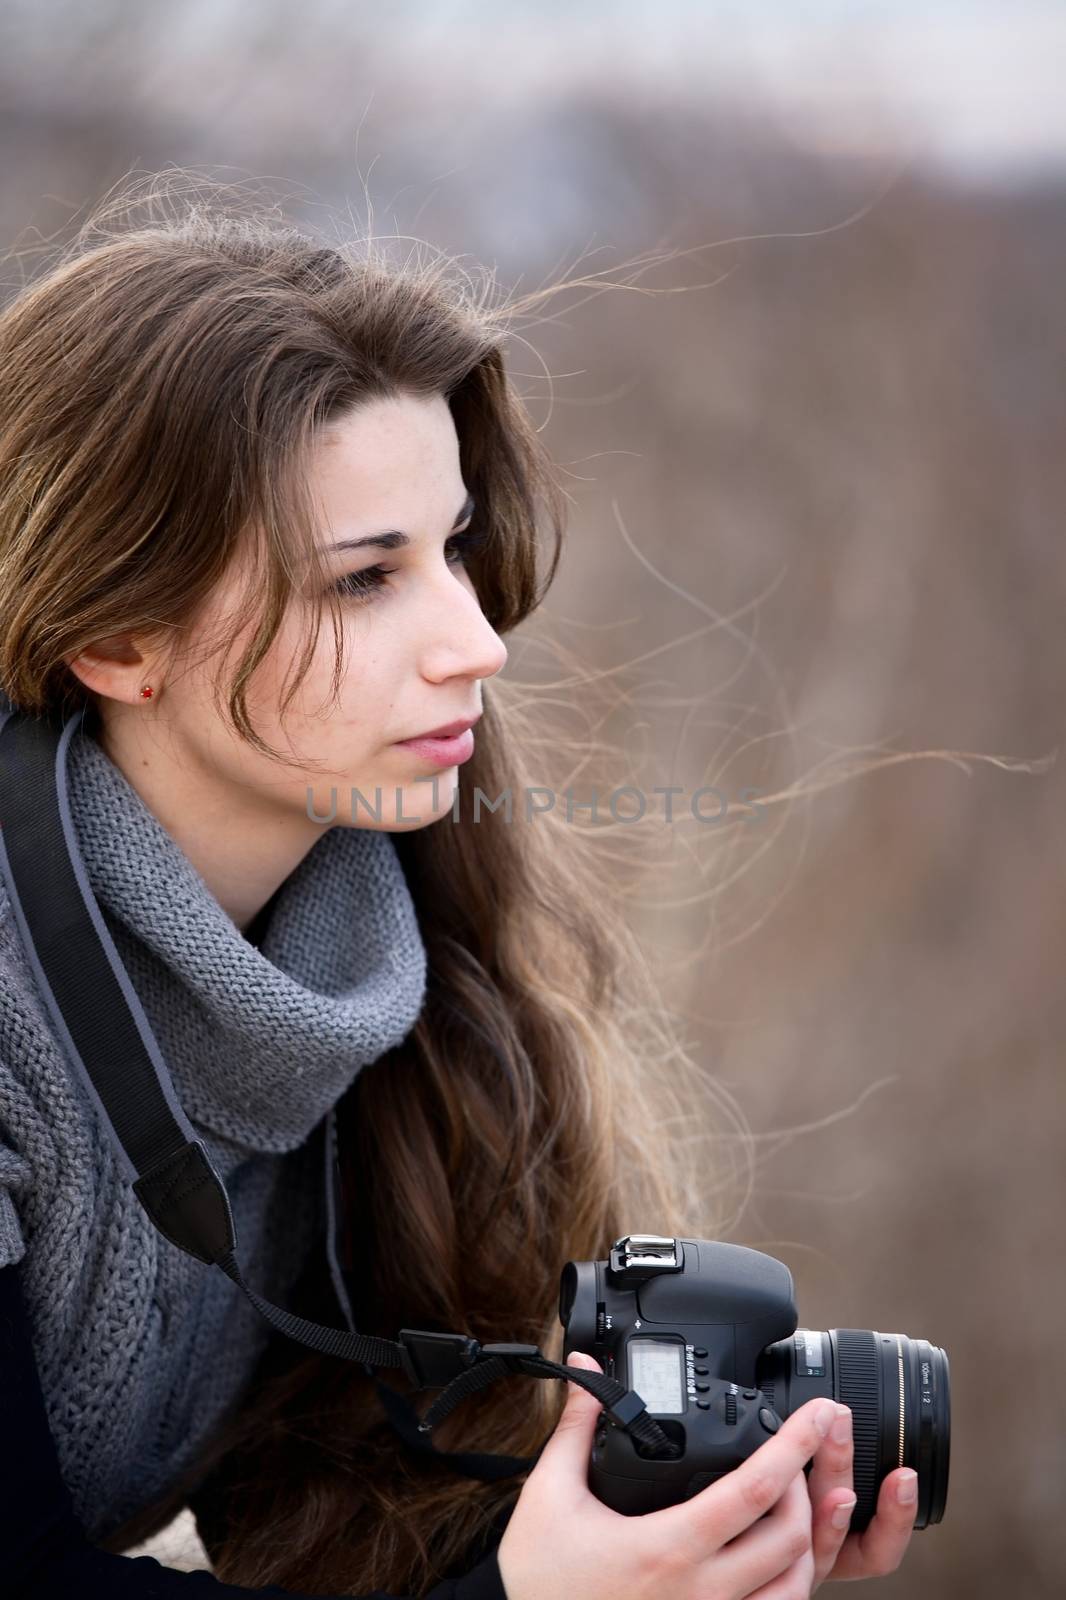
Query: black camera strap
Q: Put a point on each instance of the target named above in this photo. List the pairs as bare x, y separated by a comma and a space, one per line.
107, 1037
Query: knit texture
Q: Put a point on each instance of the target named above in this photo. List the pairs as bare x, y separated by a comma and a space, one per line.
141, 1348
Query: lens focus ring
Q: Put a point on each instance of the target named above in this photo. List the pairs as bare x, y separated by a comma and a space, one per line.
859, 1380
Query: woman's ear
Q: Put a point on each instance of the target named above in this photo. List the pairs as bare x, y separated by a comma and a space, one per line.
116, 668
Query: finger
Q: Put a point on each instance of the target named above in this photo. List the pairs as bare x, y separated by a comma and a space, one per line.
569, 1447
833, 1462
725, 1508
796, 1581
830, 1520
772, 1547
830, 1487
880, 1548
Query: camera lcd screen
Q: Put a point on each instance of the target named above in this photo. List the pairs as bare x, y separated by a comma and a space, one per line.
655, 1373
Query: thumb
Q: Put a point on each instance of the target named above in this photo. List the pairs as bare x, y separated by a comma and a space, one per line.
571, 1443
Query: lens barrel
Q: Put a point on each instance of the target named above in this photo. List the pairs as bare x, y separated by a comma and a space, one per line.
899, 1394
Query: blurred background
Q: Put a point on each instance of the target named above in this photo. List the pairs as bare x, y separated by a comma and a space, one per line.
816, 481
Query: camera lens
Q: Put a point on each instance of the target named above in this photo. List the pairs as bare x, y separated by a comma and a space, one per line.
898, 1391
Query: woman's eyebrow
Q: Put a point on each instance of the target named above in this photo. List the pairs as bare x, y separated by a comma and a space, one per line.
394, 540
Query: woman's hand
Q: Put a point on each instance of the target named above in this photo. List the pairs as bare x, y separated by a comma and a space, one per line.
747, 1534
880, 1549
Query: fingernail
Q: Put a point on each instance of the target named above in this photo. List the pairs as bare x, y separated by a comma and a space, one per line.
842, 1428
842, 1514
907, 1488
824, 1417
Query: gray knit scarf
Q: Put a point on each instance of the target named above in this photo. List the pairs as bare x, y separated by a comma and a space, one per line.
141, 1348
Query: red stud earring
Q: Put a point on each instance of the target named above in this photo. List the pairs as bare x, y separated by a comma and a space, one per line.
146, 692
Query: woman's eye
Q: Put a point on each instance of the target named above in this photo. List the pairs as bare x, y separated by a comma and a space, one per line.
459, 546
361, 585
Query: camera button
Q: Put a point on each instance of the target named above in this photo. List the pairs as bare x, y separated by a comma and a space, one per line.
699, 1352
701, 1372
701, 1388
704, 1405
749, 1394
768, 1419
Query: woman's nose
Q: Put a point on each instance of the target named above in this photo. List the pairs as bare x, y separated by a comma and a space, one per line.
459, 640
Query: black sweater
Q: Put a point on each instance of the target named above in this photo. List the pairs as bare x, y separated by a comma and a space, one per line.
46, 1554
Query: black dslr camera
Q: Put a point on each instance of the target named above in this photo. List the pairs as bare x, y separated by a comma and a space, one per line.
705, 1333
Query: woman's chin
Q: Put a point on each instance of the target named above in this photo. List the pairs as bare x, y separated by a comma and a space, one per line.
395, 807
405, 807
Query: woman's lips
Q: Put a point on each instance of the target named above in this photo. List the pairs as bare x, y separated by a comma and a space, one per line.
444, 752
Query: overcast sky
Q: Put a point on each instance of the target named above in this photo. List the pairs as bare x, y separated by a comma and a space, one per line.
977, 85
976, 82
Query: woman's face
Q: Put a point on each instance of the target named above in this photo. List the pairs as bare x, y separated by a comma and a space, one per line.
417, 644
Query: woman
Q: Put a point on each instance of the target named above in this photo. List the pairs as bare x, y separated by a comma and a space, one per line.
212, 430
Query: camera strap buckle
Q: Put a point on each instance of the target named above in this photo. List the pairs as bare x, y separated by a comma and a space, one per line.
626, 1409
432, 1360
509, 1352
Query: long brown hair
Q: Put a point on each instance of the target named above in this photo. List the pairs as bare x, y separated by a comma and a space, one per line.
164, 381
